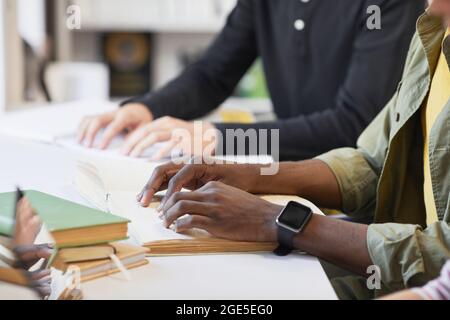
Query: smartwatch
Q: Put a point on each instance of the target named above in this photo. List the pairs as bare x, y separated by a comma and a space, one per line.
291, 221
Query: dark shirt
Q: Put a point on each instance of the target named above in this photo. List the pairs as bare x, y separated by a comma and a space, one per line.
327, 80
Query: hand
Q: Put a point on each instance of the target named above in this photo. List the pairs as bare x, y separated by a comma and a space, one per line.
174, 177
27, 224
224, 212
440, 8
191, 138
129, 117
40, 281
29, 255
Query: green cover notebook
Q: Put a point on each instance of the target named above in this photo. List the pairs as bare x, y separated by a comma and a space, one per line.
69, 223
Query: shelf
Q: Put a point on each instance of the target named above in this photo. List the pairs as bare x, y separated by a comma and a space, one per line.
179, 16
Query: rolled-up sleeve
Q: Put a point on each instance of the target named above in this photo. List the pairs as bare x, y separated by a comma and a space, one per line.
357, 180
407, 255
358, 170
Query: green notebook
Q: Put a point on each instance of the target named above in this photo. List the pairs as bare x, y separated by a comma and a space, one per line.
7, 205
69, 223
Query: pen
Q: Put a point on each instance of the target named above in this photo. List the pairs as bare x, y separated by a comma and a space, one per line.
19, 196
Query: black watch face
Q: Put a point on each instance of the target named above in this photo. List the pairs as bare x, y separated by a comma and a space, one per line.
294, 215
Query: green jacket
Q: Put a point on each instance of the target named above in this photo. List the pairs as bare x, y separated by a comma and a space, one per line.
385, 172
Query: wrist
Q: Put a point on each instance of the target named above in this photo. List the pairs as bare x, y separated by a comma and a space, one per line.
270, 225
254, 180
141, 111
148, 113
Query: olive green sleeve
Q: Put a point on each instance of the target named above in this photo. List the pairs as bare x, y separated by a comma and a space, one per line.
407, 255
358, 170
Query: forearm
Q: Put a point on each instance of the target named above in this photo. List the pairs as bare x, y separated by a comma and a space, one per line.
298, 138
311, 179
339, 242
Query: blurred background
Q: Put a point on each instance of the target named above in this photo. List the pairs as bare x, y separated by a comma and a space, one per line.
65, 50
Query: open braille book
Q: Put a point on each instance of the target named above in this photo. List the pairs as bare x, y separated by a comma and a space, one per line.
113, 185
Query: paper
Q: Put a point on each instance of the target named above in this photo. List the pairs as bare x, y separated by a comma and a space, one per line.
61, 282
113, 150
145, 224
100, 184
50, 123
254, 159
58, 123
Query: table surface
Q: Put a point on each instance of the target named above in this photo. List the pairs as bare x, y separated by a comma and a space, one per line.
236, 276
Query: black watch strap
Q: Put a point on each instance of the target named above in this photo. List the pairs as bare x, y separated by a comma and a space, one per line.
285, 240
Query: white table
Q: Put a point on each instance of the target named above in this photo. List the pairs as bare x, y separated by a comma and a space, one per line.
244, 276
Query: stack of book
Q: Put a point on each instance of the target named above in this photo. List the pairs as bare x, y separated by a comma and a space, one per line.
96, 261
83, 236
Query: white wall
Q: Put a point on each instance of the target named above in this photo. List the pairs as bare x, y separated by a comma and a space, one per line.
13, 56
31, 22
168, 46
2, 59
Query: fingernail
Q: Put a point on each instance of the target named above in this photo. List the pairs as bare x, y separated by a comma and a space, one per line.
139, 196
144, 198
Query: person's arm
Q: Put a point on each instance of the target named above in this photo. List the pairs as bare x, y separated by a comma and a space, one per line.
312, 179
205, 84
374, 72
333, 240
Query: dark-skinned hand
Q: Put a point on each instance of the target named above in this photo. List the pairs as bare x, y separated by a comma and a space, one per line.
223, 211
173, 177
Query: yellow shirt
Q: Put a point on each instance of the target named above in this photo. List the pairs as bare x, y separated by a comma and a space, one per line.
437, 99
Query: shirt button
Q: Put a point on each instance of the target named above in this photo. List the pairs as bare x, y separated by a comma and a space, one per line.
299, 24
305, 1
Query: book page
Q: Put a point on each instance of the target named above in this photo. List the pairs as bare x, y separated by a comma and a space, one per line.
116, 193
107, 175
145, 226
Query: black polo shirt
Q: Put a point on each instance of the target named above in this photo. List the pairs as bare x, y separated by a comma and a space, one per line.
328, 75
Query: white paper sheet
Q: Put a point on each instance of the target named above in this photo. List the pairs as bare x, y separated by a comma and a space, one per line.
113, 150
50, 123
